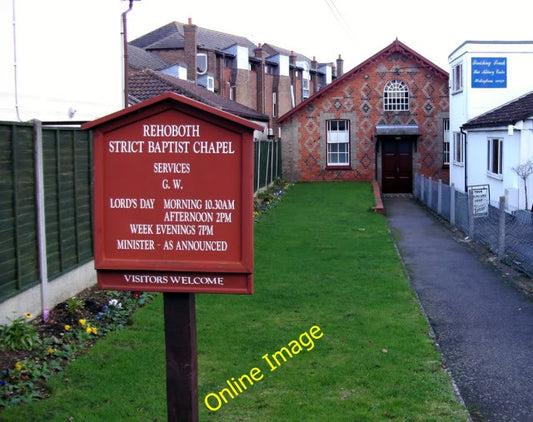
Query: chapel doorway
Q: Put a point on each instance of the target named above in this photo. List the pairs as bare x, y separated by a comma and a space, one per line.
397, 164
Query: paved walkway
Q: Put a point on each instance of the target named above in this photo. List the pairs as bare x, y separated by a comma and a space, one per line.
483, 325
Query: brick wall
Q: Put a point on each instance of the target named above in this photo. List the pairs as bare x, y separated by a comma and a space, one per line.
358, 96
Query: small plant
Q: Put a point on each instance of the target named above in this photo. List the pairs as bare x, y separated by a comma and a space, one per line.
268, 198
524, 170
75, 305
20, 335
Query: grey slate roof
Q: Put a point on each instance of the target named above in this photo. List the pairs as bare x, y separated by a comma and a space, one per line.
273, 49
171, 36
507, 114
149, 83
142, 59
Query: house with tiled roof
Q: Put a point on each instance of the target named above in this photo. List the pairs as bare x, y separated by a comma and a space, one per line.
503, 140
383, 120
149, 83
261, 77
490, 125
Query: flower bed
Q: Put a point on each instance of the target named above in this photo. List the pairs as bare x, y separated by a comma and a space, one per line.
32, 351
269, 198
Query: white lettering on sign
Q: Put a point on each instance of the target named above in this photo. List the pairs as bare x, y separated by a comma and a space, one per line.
189, 217
219, 281
182, 204
141, 228
183, 168
166, 216
131, 147
141, 278
219, 204
171, 130
135, 244
202, 245
216, 147
124, 203
175, 229
168, 147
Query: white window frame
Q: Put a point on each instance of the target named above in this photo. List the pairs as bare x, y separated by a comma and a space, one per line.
495, 157
338, 143
458, 149
457, 78
201, 70
446, 142
396, 96
210, 84
274, 104
305, 88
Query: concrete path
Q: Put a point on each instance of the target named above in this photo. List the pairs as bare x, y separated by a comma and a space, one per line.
483, 325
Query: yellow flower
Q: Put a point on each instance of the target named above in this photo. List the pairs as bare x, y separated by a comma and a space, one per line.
67, 327
94, 330
50, 351
28, 315
82, 322
18, 366
88, 329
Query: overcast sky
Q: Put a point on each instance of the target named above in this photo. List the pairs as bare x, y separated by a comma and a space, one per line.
353, 28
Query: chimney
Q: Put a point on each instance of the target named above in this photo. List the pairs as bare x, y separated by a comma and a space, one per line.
314, 63
260, 81
189, 46
259, 51
292, 58
340, 66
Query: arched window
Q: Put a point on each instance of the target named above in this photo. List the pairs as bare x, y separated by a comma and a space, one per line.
201, 63
396, 96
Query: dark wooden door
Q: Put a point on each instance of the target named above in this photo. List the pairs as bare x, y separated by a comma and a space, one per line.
397, 165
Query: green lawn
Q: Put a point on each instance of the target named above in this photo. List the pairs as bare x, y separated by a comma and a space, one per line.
333, 332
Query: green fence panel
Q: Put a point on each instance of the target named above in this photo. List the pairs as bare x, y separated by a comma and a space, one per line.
267, 159
67, 168
18, 224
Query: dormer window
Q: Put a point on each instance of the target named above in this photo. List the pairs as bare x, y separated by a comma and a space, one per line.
201, 63
396, 96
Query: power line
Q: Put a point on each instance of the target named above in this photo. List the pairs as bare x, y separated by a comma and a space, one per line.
340, 18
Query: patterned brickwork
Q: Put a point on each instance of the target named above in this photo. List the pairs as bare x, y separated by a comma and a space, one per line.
359, 94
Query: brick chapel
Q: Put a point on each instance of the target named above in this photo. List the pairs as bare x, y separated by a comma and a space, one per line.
386, 119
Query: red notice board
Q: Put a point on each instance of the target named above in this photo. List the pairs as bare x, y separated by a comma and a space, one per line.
173, 198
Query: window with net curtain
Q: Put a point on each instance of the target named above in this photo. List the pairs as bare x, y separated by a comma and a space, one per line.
396, 96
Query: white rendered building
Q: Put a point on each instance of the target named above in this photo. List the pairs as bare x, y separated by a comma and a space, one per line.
485, 147
61, 59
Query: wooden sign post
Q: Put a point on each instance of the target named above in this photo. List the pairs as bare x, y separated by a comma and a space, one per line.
173, 213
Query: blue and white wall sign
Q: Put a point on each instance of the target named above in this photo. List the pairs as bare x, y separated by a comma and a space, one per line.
489, 72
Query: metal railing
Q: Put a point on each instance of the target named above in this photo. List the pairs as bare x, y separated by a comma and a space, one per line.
509, 235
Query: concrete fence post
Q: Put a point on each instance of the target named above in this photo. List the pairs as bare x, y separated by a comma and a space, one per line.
439, 197
452, 204
430, 191
471, 216
501, 227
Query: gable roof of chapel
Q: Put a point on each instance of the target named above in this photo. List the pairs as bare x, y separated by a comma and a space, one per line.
394, 48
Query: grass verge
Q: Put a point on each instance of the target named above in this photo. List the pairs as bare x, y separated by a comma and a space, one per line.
322, 259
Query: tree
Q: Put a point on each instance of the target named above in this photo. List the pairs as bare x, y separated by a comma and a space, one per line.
524, 170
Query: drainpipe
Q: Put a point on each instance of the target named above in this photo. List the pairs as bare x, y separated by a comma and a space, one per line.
15, 64
465, 159
125, 40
